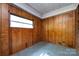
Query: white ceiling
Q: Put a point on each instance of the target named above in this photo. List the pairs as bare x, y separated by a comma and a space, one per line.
47, 7
44, 10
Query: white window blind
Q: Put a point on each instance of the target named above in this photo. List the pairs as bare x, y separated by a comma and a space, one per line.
19, 22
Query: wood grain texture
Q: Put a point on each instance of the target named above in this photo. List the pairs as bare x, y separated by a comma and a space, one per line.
60, 29
23, 38
13, 40
77, 28
37, 31
0, 26
4, 30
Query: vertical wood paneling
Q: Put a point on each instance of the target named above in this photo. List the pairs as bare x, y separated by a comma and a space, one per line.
0, 26
4, 30
51, 30
37, 30
20, 38
60, 29
77, 29
16, 40
45, 29
26, 37
23, 38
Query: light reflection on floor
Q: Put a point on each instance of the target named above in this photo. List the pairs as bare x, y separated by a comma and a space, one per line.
43, 54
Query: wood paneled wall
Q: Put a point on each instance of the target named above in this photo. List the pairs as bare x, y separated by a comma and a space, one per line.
60, 29
22, 38
4, 29
15, 39
77, 28
0, 27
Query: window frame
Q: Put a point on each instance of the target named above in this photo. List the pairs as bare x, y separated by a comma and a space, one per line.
23, 18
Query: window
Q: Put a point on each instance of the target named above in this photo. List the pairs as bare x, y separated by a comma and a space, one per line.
19, 22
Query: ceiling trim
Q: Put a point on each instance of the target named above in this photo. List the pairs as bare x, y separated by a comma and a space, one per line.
51, 13
61, 10
28, 9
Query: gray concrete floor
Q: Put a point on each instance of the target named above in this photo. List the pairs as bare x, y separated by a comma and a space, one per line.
46, 49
